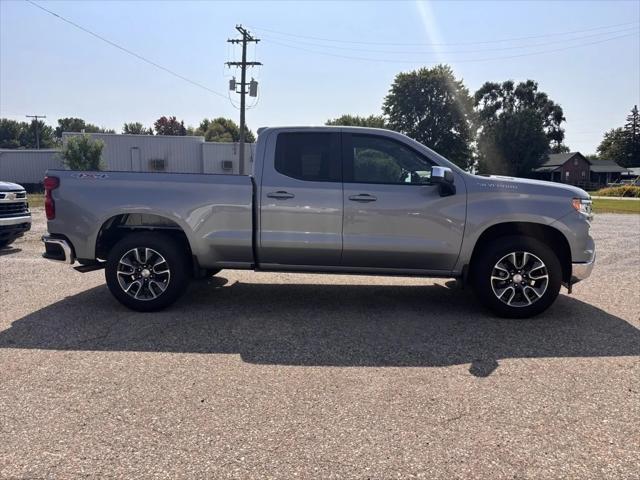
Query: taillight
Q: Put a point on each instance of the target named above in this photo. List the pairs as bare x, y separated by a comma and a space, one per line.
50, 184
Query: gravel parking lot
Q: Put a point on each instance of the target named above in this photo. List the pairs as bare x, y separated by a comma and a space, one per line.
283, 375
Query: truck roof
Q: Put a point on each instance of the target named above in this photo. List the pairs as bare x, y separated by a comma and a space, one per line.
322, 127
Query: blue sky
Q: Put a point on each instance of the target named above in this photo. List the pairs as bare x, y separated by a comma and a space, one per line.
49, 67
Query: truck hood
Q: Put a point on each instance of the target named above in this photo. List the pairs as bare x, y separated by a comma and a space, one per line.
10, 187
524, 182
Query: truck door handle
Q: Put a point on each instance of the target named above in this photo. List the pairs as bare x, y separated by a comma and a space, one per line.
281, 195
362, 197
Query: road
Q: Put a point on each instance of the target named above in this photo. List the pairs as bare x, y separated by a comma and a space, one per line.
308, 376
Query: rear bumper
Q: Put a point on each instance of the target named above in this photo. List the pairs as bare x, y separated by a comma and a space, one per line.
58, 250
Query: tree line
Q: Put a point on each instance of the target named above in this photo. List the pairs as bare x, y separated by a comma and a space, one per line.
503, 128
16, 134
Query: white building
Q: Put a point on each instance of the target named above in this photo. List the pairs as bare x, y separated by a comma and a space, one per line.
133, 153
27, 167
166, 153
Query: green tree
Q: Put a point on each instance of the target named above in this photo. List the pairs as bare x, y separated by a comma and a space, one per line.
10, 131
560, 148
223, 130
74, 124
622, 145
613, 145
512, 145
518, 126
169, 126
632, 129
28, 138
14, 134
433, 107
136, 128
81, 152
373, 121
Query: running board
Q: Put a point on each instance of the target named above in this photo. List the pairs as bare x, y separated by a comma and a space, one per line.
91, 267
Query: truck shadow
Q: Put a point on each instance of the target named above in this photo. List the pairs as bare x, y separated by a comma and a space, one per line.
327, 325
9, 250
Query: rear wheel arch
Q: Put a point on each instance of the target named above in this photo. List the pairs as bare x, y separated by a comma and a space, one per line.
550, 236
116, 227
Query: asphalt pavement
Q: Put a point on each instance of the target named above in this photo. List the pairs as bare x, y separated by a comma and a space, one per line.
318, 376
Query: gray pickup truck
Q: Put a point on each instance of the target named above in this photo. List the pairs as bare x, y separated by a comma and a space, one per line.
324, 200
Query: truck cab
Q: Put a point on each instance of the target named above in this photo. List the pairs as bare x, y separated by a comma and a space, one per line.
356, 199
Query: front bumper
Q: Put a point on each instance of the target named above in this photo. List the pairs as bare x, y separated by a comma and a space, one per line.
582, 271
13, 227
15, 220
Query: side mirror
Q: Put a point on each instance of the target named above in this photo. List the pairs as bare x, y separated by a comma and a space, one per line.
443, 177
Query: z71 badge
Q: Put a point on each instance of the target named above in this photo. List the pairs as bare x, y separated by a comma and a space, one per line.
95, 176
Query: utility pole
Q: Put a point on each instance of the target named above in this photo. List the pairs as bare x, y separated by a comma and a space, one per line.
246, 38
36, 117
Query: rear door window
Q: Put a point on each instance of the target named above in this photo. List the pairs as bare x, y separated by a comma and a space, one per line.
312, 157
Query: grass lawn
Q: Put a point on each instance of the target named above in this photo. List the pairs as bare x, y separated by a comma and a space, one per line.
35, 199
601, 205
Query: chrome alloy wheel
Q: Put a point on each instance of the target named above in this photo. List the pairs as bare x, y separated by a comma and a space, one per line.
143, 273
519, 279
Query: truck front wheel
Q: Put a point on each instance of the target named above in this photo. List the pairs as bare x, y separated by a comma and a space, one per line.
147, 272
516, 277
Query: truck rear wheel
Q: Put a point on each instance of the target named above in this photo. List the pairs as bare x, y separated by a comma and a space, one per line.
147, 272
516, 277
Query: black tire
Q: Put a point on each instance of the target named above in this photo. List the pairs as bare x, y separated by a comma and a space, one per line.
487, 289
6, 243
176, 262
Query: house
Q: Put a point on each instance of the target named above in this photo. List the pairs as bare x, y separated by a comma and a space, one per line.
573, 168
604, 172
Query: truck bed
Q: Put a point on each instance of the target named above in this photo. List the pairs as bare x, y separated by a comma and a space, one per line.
214, 211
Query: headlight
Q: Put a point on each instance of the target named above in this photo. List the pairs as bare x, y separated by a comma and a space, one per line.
582, 205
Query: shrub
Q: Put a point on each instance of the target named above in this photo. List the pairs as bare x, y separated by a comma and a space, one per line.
622, 191
81, 152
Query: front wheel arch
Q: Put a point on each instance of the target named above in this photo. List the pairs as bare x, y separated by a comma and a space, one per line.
550, 236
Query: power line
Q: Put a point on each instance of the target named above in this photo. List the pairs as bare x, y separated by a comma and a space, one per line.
450, 52
359, 42
126, 50
469, 60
